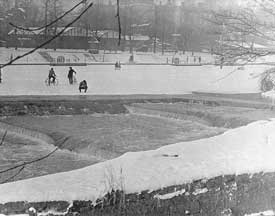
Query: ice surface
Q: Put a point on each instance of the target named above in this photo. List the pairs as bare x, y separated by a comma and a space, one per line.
131, 79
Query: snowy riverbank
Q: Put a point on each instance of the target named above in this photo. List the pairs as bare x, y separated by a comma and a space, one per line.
248, 149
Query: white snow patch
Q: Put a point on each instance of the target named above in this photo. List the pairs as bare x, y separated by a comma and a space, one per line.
234, 186
200, 191
265, 213
187, 212
169, 195
270, 95
32, 209
248, 149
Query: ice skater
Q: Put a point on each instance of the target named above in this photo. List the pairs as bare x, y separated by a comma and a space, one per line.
51, 76
83, 85
70, 75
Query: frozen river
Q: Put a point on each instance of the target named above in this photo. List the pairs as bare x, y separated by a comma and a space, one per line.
132, 79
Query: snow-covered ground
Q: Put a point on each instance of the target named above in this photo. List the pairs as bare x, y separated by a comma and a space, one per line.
270, 95
265, 213
7, 54
249, 149
132, 79
266, 59
158, 58
83, 56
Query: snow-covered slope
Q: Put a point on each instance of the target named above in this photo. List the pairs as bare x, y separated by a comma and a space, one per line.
248, 149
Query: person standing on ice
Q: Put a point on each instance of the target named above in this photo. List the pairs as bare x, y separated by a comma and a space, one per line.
222, 62
52, 76
71, 74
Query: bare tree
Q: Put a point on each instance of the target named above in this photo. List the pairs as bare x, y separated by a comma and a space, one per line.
240, 30
53, 37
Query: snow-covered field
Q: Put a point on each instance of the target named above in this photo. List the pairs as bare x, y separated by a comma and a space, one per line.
249, 149
81, 56
132, 79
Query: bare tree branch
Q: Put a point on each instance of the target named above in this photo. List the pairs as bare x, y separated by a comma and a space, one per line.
24, 164
49, 24
228, 74
4, 137
119, 23
13, 176
51, 39
29, 162
238, 30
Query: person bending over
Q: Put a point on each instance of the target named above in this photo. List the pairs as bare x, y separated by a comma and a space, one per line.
83, 85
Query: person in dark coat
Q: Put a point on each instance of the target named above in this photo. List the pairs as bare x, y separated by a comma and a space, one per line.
51, 76
71, 74
83, 85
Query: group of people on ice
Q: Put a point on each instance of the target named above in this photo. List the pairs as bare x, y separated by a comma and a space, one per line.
82, 85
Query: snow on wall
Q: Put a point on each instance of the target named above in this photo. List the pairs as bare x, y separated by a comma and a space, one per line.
169, 195
249, 149
200, 191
